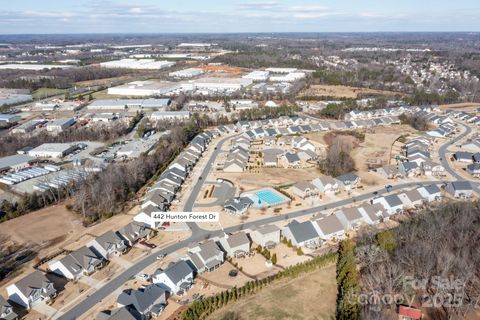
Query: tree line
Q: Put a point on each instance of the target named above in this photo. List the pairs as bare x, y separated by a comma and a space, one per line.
438, 245
203, 307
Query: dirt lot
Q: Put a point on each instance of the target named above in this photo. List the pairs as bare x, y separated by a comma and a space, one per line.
293, 299
342, 91
466, 106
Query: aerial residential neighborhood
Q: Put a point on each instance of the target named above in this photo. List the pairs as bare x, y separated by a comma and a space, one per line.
239, 160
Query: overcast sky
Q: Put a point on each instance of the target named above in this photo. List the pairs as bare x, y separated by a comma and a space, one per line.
164, 16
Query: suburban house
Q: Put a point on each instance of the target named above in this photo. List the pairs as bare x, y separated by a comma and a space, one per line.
330, 228
348, 181
146, 217
474, 169
206, 256
237, 205
459, 189
373, 213
270, 157
79, 262
235, 245
351, 218
108, 244
290, 160
6, 310
391, 203
390, 171
177, 278
462, 156
325, 184
31, 290
149, 301
267, 236
134, 232
302, 234
430, 192
431, 168
304, 189
411, 199
409, 169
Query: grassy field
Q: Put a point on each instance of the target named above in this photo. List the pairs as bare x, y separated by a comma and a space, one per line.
342, 91
43, 93
309, 297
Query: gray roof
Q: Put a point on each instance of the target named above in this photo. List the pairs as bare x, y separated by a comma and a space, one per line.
108, 238
33, 281
266, 229
347, 178
414, 195
352, 214
142, 299
238, 204
461, 185
123, 313
237, 239
83, 257
4, 306
134, 231
177, 271
303, 231
292, 157
393, 200
15, 160
330, 224
432, 189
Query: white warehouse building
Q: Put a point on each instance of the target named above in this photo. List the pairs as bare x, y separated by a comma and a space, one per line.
149, 64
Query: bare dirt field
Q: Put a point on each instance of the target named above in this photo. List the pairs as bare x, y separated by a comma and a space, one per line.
465, 106
289, 299
342, 91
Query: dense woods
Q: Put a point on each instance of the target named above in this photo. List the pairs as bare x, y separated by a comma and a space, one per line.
431, 260
338, 160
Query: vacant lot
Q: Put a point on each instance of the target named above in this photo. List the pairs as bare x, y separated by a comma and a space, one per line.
465, 106
342, 91
312, 296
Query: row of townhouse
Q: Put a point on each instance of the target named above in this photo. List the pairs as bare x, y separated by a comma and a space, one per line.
313, 233
326, 185
464, 116
162, 193
394, 111
208, 256
473, 160
239, 155
415, 160
36, 287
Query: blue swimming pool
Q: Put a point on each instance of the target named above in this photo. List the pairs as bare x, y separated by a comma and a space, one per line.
270, 197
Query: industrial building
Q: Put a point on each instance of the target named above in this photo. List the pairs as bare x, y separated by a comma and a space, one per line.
289, 77
129, 104
53, 150
15, 162
9, 118
257, 75
221, 84
150, 64
28, 126
170, 115
146, 88
59, 125
187, 73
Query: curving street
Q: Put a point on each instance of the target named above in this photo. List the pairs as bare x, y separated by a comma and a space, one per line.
199, 234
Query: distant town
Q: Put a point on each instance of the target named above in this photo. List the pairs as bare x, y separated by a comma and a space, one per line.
217, 176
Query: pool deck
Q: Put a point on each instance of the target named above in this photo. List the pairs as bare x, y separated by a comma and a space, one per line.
263, 195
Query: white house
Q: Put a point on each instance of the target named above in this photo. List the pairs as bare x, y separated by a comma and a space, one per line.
267, 236
330, 228
177, 278
108, 244
80, 262
302, 234
459, 189
206, 257
430, 193
391, 203
325, 184
31, 290
235, 245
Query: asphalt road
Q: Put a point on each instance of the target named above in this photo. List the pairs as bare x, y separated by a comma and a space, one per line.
199, 234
